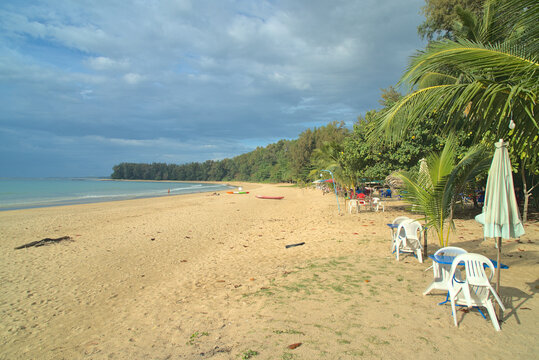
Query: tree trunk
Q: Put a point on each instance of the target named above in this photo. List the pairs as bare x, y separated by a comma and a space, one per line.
449, 221
526, 195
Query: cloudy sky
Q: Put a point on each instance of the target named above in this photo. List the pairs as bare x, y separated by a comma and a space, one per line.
87, 84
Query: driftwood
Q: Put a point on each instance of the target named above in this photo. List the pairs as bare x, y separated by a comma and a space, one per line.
293, 245
46, 241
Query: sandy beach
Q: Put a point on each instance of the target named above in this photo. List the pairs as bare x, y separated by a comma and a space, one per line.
207, 276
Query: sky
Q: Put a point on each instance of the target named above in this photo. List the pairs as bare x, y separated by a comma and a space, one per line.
88, 84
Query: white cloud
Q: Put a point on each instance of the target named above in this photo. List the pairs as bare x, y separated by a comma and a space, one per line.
132, 78
105, 63
199, 72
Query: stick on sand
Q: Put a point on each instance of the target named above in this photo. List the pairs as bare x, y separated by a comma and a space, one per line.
46, 241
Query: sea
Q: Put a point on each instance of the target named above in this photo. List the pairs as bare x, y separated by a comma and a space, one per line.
25, 193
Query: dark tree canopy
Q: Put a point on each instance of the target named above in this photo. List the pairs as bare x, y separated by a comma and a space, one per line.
389, 97
440, 17
284, 161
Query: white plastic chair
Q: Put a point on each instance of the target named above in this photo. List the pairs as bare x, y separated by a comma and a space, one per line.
353, 203
441, 271
396, 222
376, 201
475, 289
408, 239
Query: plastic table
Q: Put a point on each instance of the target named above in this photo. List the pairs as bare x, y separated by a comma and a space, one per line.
448, 260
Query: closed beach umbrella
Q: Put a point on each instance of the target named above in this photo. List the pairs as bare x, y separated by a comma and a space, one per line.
501, 215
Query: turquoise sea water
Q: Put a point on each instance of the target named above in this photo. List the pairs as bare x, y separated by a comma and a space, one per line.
30, 193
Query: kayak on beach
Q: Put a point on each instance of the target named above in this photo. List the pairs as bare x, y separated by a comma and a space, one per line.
237, 192
270, 197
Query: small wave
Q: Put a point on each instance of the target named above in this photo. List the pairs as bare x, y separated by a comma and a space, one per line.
35, 198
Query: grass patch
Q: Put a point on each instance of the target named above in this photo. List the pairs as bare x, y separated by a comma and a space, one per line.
248, 354
195, 336
338, 288
298, 287
288, 356
373, 291
288, 331
376, 341
260, 292
355, 352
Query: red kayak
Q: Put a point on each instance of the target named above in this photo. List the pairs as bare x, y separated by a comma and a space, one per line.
270, 197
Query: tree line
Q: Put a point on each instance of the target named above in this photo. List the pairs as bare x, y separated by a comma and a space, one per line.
283, 161
476, 81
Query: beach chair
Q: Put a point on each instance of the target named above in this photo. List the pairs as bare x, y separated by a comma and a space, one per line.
408, 239
353, 204
441, 271
394, 226
475, 290
377, 202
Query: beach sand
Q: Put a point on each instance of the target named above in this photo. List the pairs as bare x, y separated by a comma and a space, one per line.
207, 276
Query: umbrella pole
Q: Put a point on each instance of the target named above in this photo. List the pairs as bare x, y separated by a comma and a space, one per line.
498, 272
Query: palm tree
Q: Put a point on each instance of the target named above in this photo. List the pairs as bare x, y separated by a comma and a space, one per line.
485, 83
328, 157
433, 190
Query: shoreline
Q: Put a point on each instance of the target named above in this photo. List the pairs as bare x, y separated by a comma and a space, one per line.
108, 198
181, 276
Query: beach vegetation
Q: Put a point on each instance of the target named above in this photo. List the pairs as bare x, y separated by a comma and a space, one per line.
477, 79
441, 16
485, 81
288, 356
375, 340
375, 160
289, 331
284, 161
434, 189
355, 352
195, 336
248, 354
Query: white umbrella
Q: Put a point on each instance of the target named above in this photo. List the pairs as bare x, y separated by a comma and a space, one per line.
501, 215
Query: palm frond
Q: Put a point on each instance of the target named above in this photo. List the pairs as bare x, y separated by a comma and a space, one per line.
435, 78
490, 61
447, 178
483, 100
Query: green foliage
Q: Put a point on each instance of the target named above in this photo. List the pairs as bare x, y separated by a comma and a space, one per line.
491, 80
368, 158
481, 82
284, 161
301, 155
389, 97
195, 336
433, 189
248, 354
329, 157
441, 15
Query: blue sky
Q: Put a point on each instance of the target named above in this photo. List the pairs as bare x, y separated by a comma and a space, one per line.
85, 85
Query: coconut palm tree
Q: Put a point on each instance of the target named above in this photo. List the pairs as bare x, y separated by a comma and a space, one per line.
328, 157
478, 84
434, 190
486, 83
